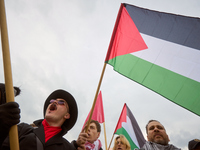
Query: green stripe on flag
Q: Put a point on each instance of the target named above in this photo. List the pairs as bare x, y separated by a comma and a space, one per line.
177, 88
124, 132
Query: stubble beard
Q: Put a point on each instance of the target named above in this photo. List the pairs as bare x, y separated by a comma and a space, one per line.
162, 141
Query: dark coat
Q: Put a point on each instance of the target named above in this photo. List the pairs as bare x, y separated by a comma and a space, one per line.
27, 139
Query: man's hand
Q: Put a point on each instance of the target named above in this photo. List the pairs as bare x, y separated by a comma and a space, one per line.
82, 138
81, 147
9, 115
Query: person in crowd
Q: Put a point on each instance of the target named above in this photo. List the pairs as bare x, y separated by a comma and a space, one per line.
89, 140
121, 143
60, 114
194, 144
157, 137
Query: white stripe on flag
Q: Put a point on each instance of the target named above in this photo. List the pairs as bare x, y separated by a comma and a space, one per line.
177, 58
129, 129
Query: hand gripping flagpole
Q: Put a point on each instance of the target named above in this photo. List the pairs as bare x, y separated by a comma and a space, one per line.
13, 133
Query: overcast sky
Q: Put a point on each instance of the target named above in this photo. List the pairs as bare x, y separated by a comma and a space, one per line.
62, 44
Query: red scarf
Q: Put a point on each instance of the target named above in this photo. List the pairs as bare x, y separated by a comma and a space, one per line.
50, 131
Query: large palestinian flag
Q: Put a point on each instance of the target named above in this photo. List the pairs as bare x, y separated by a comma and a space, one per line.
128, 126
160, 51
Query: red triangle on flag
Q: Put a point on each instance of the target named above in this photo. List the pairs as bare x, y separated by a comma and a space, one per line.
122, 118
126, 38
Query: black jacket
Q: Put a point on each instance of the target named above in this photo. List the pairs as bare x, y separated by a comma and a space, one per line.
27, 139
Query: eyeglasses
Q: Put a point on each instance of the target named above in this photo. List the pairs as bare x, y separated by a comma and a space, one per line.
60, 102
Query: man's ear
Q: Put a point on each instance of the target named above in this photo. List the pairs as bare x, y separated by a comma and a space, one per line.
168, 138
67, 116
98, 134
147, 138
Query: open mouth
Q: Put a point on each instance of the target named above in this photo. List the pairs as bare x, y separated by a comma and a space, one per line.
53, 107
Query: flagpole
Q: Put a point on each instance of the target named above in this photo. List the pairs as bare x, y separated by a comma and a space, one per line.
104, 67
105, 135
13, 133
116, 125
111, 142
95, 98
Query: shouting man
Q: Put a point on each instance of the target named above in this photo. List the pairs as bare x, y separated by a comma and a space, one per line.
60, 115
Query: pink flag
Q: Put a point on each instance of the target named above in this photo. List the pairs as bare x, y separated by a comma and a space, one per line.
98, 113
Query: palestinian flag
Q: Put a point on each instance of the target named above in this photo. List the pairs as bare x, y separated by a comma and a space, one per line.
127, 125
160, 51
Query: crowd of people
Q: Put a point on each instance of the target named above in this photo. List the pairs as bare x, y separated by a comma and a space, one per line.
60, 115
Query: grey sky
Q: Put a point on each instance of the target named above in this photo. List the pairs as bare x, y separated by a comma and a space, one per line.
63, 44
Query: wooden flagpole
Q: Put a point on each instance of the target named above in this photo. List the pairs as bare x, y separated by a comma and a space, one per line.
105, 135
95, 98
111, 142
13, 133
104, 67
